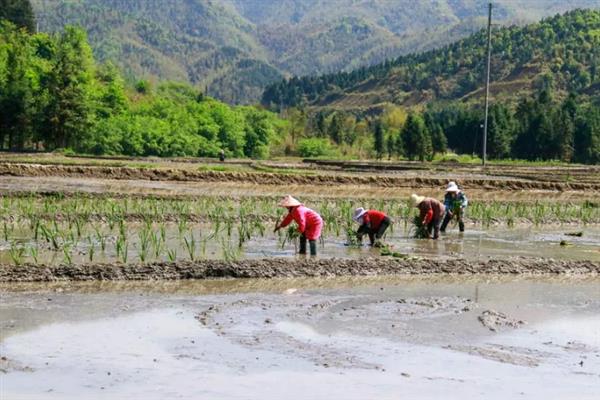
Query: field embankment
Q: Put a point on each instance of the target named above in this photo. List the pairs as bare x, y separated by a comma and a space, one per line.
487, 180
288, 268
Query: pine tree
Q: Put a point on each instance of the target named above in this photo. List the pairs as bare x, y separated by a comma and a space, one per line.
438, 140
17, 95
500, 132
378, 133
321, 124
19, 12
335, 129
587, 136
417, 139
390, 145
70, 110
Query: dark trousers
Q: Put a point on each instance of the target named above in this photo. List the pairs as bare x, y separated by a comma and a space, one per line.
447, 218
374, 234
312, 244
434, 227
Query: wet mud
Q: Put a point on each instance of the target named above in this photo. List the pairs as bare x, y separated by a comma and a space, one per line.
495, 320
276, 320
302, 338
188, 175
138, 188
288, 268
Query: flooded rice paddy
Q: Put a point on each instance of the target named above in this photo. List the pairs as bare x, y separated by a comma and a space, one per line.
352, 338
427, 336
476, 243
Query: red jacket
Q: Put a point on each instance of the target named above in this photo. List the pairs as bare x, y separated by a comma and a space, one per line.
309, 222
375, 218
431, 210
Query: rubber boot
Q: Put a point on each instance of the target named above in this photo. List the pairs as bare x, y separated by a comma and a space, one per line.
313, 247
461, 226
302, 245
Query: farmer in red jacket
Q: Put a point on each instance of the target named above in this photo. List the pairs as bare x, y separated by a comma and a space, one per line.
373, 223
431, 213
309, 223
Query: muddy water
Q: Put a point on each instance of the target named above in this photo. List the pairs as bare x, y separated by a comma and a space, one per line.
299, 339
475, 244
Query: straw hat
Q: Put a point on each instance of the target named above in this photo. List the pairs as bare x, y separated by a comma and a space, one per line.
358, 213
415, 199
452, 187
289, 201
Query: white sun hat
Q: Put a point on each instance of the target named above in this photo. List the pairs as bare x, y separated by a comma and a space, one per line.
415, 199
289, 201
358, 213
452, 187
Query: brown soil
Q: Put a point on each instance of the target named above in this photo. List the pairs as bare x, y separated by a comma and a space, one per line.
272, 268
186, 175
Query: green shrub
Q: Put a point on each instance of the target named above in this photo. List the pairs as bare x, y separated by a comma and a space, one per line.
315, 147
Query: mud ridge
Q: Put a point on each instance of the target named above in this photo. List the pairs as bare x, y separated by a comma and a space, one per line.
273, 268
184, 175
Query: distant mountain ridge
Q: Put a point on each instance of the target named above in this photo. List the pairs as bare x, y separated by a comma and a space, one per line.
234, 48
561, 51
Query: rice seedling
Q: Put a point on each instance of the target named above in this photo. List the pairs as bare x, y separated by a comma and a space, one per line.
122, 248
163, 232
182, 225
291, 236
156, 244
172, 255
91, 249
100, 237
34, 253
230, 253
16, 253
144, 244
6, 230
67, 253
190, 245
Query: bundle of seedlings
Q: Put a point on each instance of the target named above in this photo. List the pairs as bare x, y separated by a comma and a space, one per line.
351, 238
387, 250
291, 236
419, 230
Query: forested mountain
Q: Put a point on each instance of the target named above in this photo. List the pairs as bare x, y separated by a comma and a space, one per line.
234, 48
561, 50
53, 95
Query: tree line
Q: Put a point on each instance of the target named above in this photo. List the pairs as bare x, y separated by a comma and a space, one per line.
53, 95
543, 126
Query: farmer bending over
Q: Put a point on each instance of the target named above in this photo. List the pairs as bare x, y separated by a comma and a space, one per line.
431, 213
373, 223
309, 223
456, 203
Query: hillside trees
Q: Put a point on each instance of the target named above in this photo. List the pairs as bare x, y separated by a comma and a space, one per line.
18, 12
566, 43
54, 96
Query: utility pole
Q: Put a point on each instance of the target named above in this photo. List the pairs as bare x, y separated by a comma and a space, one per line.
487, 83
